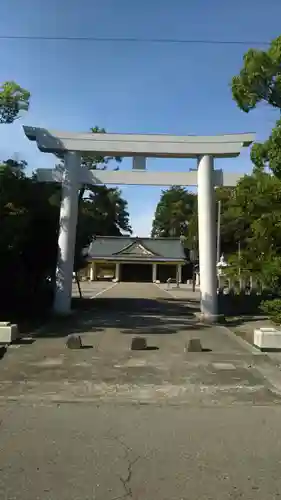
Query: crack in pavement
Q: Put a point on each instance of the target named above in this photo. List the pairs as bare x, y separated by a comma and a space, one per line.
128, 492
126, 481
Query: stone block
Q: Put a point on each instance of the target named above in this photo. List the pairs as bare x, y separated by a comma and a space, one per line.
139, 344
74, 342
267, 339
8, 332
194, 345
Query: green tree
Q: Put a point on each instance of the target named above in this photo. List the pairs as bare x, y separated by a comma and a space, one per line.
260, 81
251, 215
250, 218
28, 239
13, 100
29, 221
103, 213
173, 212
260, 78
192, 242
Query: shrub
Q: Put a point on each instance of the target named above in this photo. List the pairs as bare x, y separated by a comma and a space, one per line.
273, 309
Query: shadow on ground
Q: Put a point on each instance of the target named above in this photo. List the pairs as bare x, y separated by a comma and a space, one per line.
3, 351
240, 320
128, 315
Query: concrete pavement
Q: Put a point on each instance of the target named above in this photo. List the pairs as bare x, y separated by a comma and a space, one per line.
107, 370
109, 452
107, 423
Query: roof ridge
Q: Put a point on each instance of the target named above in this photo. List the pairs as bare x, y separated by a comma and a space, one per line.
167, 238
114, 237
135, 238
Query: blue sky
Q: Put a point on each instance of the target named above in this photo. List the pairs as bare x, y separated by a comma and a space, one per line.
142, 88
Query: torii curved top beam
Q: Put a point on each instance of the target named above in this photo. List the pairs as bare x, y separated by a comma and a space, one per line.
147, 145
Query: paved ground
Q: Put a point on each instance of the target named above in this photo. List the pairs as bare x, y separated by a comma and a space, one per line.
108, 423
106, 369
81, 452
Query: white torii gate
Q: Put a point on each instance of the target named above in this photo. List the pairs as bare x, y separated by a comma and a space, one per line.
139, 147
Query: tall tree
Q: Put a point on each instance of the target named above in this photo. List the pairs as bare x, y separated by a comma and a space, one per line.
260, 81
260, 78
29, 217
13, 100
173, 212
251, 215
103, 213
28, 237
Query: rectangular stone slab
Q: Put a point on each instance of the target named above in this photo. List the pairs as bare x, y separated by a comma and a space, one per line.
267, 339
8, 333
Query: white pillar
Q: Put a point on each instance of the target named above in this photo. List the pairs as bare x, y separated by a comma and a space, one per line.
179, 273
67, 233
154, 272
93, 271
117, 271
207, 238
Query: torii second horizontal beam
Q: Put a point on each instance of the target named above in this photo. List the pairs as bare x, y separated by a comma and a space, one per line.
149, 145
135, 178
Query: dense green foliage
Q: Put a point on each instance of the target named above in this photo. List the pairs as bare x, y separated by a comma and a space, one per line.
13, 99
29, 219
28, 222
260, 78
260, 81
250, 224
272, 308
173, 212
251, 215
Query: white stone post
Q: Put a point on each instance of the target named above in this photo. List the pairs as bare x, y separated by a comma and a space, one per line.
154, 273
67, 233
207, 238
93, 271
179, 273
117, 271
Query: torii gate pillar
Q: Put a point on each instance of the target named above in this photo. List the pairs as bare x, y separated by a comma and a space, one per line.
67, 232
207, 237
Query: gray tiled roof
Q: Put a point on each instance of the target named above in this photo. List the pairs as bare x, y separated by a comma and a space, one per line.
118, 248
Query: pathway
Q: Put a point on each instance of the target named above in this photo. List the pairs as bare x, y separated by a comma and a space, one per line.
74, 426
107, 370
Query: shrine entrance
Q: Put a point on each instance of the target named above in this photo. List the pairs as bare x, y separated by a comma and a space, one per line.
139, 147
132, 272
